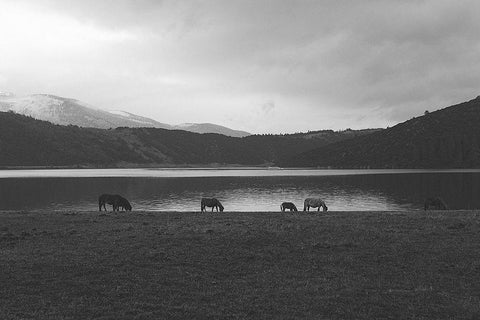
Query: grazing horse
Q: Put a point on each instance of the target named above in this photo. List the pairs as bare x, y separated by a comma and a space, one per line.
314, 203
288, 205
211, 202
122, 202
115, 200
434, 203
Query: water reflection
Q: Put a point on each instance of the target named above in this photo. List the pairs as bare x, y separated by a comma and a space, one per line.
247, 193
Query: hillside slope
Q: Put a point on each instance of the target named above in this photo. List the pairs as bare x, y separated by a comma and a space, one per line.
25, 141
67, 111
447, 138
211, 128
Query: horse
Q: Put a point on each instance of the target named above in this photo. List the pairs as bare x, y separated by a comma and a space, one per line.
288, 205
434, 203
314, 203
122, 202
115, 200
211, 202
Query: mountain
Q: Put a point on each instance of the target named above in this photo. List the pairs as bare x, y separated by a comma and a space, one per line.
66, 111
25, 141
211, 128
447, 138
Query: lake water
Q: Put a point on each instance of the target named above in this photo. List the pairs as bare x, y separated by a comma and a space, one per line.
237, 189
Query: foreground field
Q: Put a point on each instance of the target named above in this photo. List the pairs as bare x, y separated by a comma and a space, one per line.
143, 265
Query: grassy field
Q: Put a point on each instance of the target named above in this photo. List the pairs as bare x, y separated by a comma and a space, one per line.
145, 265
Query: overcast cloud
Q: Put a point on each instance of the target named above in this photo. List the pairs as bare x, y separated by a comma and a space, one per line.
261, 66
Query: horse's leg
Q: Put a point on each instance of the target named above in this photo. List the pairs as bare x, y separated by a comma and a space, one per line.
319, 208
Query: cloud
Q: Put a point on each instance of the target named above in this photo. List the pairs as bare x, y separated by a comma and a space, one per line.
268, 107
317, 64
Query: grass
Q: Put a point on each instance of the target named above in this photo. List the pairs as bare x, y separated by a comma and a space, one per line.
335, 265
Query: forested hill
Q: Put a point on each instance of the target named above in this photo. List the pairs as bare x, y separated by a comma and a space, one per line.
447, 138
25, 141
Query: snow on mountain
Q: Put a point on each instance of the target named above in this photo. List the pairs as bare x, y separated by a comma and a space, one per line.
120, 113
141, 121
36, 106
66, 111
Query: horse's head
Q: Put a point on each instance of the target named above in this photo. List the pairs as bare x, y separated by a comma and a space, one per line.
221, 207
127, 206
325, 208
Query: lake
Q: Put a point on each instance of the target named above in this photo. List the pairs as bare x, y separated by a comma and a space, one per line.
238, 189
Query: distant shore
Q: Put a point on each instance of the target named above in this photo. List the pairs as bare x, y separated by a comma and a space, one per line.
148, 166
362, 265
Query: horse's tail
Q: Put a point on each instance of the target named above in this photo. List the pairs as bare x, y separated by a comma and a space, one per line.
281, 208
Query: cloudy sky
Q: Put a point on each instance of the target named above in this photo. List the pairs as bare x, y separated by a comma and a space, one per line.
261, 66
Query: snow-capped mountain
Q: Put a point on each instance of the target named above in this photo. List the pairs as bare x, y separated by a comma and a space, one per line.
66, 111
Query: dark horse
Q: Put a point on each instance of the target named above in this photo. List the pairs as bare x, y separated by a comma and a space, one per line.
435, 204
314, 203
288, 205
115, 200
211, 202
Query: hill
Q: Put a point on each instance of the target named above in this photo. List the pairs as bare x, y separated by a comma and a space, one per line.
447, 138
67, 111
25, 141
211, 128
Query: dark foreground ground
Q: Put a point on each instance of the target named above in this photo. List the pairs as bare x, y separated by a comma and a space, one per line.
141, 265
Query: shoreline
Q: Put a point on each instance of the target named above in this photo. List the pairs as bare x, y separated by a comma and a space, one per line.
330, 213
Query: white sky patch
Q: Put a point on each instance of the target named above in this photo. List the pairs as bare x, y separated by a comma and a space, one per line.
30, 28
3, 81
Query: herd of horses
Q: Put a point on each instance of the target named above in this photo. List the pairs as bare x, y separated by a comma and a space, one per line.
117, 201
